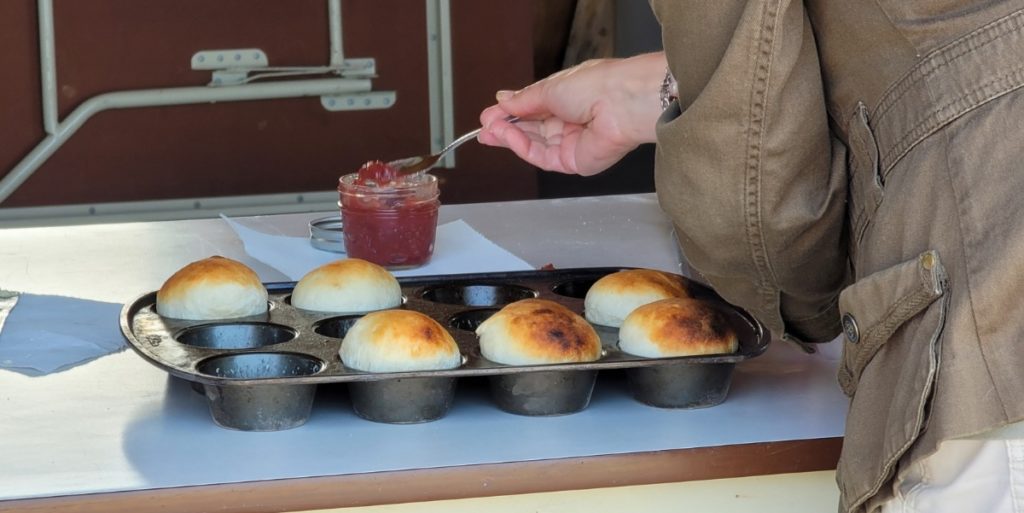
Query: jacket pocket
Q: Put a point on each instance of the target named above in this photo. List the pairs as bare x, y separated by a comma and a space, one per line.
866, 186
875, 307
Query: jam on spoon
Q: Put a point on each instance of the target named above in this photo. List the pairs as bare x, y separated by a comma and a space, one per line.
376, 172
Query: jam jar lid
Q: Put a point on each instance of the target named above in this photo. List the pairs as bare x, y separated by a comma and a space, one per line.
327, 234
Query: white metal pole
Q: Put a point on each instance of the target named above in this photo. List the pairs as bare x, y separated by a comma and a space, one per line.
171, 96
334, 25
439, 76
48, 65
447, 84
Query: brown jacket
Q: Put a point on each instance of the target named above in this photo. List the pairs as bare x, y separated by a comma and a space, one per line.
862, 160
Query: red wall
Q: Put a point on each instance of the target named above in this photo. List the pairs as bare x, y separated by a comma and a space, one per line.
260, 147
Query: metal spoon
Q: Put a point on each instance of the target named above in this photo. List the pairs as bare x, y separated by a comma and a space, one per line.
418, 164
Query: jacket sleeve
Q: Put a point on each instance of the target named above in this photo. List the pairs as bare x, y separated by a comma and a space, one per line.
743, 165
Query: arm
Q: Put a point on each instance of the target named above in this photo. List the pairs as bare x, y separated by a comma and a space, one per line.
583, 119
744, 165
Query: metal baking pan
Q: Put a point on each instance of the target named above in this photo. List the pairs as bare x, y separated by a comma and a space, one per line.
260, 372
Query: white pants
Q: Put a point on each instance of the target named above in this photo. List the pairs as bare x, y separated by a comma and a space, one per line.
969, 475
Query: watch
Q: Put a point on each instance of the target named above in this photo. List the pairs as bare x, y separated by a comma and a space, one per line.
669, 89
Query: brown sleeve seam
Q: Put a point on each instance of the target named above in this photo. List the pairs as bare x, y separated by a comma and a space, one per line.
752, 206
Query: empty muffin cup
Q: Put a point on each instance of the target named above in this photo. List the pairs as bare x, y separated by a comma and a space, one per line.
574, 288
681, 385
470, 320
402, 400
235, 335
259, 407
336, 327
477, 294
543, 393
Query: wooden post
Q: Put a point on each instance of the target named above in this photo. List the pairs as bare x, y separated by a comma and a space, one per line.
593, 32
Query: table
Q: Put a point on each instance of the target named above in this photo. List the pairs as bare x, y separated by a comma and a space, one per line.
117, 434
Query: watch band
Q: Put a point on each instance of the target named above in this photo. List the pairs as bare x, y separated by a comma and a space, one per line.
669, 89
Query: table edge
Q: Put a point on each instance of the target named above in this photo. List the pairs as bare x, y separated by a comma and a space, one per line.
459, 482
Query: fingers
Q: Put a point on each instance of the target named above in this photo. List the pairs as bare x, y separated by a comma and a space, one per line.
492, 114
527, 103
549, 144
530, 102
554, 144
528, 141
515, 139
539, 143
553, 113
494, 127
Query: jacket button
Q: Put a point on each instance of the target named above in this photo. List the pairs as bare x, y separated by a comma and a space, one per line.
850, 328
928, 261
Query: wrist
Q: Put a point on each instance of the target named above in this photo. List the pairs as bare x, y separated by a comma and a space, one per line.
644, 76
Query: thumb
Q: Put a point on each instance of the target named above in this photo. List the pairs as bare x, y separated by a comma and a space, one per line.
530, 102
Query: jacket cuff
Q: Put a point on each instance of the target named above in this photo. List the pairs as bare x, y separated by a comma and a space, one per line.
810, 331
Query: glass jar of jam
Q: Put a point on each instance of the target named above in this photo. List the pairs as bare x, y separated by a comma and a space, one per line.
390, 219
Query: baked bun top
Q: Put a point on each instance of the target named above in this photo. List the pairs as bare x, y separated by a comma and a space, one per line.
212, 288
537, 331
677, 327
611, 298
398, 341
347, 286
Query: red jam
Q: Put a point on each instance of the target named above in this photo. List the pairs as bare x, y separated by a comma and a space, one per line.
389, 222
376, 172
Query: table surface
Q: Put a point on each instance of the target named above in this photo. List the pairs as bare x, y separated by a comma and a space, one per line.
119, 424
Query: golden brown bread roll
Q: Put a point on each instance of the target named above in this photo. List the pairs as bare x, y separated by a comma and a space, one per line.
347, 286
614, 296
537, 331
398, 341
212, 288
677, 327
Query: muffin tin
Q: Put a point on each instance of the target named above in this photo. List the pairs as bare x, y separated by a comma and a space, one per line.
261, 372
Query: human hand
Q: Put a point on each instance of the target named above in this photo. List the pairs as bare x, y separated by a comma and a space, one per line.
580, 120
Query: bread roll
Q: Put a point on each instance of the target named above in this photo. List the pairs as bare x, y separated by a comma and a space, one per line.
537, 331
611, 298
398, 341
212, 288
347, 286
677, 327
